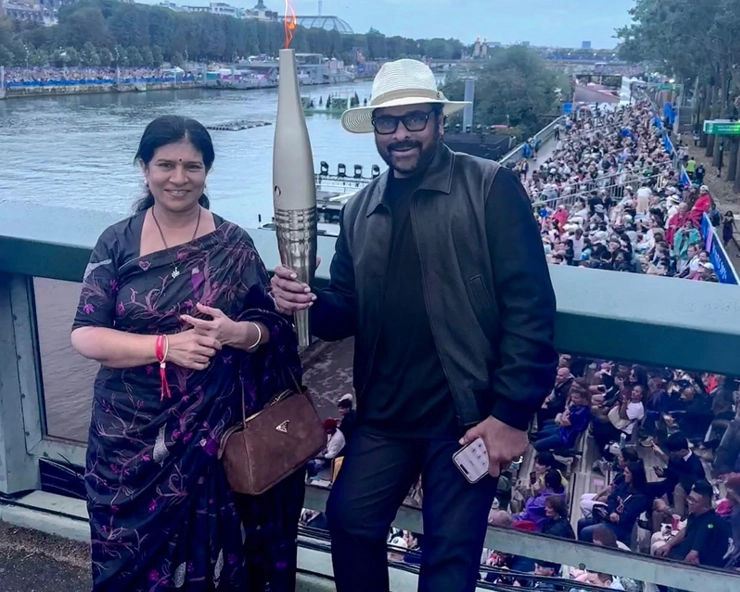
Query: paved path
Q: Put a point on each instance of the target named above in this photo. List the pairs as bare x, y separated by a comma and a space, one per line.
33, 562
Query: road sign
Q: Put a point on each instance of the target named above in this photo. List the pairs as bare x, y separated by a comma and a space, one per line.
722, 128
567, 108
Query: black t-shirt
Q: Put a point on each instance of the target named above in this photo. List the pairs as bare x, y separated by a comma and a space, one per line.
407, 394
709, 535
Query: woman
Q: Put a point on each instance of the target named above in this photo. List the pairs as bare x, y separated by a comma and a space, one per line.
624, 506
557, 524
728, 227
174, 307
534, 508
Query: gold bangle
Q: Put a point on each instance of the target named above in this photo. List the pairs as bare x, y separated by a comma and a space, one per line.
259, 337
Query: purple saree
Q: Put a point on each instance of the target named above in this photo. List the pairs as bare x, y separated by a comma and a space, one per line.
162, 516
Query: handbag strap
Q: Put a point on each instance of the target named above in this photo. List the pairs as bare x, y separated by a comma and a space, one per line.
293, 379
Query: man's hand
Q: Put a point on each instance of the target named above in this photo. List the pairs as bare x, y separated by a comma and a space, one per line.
503, 443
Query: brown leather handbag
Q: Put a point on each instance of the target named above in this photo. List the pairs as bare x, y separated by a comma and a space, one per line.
272, 444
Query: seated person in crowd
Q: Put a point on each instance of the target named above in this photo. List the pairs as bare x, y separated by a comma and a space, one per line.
563, 431
557, 400
334, 445
694, 416
589, 500
543, 462
623, 508
622, 418
534, 508
556, 522
676, 480
705, 538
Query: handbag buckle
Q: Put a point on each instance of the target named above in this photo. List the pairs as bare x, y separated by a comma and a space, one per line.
283, 427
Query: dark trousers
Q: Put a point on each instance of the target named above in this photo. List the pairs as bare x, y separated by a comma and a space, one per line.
375, 477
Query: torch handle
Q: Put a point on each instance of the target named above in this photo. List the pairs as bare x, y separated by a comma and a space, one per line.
296, 238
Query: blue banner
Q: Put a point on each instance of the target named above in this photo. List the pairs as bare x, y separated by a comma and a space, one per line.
723, 268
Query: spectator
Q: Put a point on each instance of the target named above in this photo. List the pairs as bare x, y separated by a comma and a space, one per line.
623, 508
705, 538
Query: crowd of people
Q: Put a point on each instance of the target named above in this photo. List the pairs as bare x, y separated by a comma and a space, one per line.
47, 75
685, 507
609, 197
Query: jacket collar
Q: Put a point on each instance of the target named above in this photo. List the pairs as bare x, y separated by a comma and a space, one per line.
438, 177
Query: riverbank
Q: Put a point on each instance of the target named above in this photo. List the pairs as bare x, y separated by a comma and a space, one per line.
69, 90
89, 89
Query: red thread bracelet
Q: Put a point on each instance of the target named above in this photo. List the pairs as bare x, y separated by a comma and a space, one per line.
162, 348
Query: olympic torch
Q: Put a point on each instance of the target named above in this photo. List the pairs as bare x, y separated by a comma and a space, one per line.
294, 185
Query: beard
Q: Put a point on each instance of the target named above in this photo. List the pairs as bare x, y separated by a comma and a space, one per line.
410, 157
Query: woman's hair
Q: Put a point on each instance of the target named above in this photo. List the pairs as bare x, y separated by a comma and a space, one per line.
558, 505
170, 129
639, 478
554, 481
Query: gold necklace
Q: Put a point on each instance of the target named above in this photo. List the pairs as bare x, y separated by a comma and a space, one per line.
175, 264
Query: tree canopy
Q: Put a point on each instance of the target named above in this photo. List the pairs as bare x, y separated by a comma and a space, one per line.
516, 86
108, 32
695, 41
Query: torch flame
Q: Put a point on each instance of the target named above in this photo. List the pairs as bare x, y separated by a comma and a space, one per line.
291, 22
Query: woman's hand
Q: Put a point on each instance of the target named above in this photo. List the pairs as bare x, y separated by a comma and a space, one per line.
192, 350
220, 328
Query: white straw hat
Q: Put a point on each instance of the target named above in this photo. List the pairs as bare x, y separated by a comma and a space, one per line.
403, 82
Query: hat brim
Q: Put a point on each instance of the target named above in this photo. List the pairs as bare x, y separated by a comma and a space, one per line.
359, 120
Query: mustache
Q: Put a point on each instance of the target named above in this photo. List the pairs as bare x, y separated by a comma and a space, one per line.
404, 145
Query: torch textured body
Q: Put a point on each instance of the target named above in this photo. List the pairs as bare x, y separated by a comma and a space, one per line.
294, 186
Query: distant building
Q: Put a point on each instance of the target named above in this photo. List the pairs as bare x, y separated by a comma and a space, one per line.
328, 23
585, 45
32, 11
260, 12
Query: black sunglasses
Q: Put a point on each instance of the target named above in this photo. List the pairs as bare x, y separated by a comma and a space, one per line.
415, 121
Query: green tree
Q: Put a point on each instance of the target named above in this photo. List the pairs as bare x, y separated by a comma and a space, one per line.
515, 87
120, 57
134, 57
105, 57
695, 41
72, 57
157, 57
147, 60
89, 55
38, 58
6, 56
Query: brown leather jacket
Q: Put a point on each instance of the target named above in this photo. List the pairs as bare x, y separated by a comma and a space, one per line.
493, 331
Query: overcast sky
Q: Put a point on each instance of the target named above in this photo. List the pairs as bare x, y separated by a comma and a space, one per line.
560, 23
563, 23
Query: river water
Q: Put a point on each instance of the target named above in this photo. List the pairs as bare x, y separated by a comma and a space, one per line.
77, 153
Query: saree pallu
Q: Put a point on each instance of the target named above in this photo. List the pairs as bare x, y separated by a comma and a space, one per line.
162, 516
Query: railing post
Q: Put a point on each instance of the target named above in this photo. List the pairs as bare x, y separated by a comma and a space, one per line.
18, 469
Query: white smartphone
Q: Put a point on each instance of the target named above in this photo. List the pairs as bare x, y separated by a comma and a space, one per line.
472, 460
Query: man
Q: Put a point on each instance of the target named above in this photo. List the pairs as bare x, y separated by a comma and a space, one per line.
440, 275
676, 480
705, 538
347, 415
